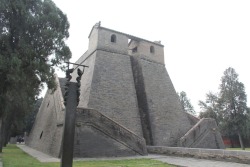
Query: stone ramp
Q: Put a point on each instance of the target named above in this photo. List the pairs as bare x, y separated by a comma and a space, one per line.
204, 134
105, 137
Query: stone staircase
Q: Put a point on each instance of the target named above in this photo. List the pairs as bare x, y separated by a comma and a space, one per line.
96, 122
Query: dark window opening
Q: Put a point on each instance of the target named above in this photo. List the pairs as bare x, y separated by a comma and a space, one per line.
41, 135
152, 49
113, 38
134, 50
48, 105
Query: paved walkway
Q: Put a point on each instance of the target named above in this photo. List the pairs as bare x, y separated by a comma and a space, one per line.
192, 162
38, 155
180, 161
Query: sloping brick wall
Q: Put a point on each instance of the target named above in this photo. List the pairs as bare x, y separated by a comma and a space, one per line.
168, 121
112, 91
46, 134
97, 135
204, 134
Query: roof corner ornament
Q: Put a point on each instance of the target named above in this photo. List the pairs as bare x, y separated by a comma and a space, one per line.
98, 24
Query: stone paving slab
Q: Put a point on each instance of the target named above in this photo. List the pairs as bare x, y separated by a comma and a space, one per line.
192, 162
180, 161
38, 155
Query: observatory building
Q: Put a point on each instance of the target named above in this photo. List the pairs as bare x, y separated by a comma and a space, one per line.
127, 101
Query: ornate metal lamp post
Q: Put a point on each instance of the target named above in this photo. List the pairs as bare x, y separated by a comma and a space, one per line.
71, 101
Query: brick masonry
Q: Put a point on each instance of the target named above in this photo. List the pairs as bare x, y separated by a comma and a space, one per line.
126, 82
201, 135
112, 90
97, 135
168, 121
46, 134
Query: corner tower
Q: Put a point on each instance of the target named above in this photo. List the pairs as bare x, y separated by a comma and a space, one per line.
108, 83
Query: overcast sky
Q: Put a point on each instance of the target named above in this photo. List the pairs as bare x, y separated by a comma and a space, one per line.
202, 38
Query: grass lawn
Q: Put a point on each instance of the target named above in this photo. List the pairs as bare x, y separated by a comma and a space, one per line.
12, 156
246, 149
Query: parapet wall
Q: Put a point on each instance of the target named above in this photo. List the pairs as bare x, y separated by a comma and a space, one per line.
216, 154
100, 39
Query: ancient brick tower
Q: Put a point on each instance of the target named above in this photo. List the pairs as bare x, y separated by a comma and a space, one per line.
127, 99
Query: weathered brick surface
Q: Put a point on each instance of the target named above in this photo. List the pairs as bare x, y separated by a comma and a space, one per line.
46, 134
93, 40
143, 50
192, 119
91, 143
204, 134
87, 78
142, 100
104, 42
168, 121
112, 90
97, 135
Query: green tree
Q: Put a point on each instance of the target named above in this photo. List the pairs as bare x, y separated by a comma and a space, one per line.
229, 107
211, 107
247, 131
185, 103
233, 101
32, 42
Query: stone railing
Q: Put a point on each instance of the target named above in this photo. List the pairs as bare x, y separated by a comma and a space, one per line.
111, 128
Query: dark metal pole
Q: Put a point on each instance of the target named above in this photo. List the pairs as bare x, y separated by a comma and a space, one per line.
71, 100
69, 126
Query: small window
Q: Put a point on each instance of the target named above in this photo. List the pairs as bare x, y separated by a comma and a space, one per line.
152, 49
41, 135
48, 105
134, 50
113, 38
